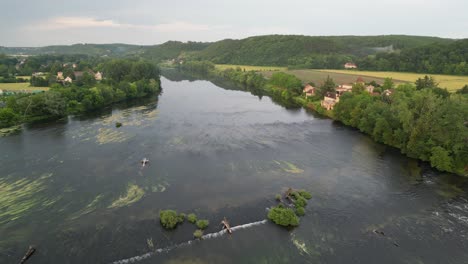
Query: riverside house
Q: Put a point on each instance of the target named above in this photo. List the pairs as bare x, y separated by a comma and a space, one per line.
309, 90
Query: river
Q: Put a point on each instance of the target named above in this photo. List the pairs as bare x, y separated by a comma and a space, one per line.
76, 191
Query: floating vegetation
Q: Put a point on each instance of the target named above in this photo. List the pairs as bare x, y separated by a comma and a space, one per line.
107, 135
9, 131
118, 124
90, 207
18, 198
300, 245
133, 195
160, 187
289, 167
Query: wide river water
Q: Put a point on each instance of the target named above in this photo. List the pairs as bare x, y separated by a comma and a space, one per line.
76, 191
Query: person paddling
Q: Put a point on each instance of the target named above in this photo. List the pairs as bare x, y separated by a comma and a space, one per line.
144, 162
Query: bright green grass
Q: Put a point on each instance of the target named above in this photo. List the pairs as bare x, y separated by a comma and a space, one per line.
20, 86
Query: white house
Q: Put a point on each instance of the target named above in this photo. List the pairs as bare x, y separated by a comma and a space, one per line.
68, 80
98, 76
350, 65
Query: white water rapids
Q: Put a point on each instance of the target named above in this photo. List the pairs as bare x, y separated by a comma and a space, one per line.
167, 249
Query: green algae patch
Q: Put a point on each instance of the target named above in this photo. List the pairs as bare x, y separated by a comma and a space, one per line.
9, 131
92, 206
133, 195
289, 167
107, 135
19, 198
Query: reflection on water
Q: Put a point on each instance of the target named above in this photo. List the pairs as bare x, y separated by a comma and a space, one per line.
77, 191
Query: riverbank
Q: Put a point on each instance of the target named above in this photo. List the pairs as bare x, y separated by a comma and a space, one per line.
421, 123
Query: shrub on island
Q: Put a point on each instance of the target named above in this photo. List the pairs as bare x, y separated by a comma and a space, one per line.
283, 216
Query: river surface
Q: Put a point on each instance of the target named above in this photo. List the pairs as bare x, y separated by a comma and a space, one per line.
76, 191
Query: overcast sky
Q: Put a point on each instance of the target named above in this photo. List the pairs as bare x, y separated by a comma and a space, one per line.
49, 22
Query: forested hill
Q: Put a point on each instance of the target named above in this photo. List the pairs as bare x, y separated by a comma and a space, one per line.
382, 53
114, 50
283, 50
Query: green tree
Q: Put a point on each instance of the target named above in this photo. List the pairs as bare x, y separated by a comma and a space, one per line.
327, 86
441, 159
8, 117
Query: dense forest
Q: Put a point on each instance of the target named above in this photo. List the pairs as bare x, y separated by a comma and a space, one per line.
281, 50
382, 53
124, 79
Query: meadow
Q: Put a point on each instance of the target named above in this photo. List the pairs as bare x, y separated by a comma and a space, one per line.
250, 68
451, 82
17, 87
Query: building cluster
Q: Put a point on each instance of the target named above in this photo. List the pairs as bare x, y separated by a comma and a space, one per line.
77, 76
330, 99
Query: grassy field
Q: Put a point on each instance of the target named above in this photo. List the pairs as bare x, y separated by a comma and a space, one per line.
250, 68
20, 86
24, 77
318, 76
451, 82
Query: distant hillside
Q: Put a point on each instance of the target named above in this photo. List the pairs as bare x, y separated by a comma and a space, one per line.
173, 49
87, 49
280, 50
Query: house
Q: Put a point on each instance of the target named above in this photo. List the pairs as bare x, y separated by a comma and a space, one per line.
68, 80
59, 76
98, 76
350, 65
370, 89
38, 74
309, 90
330, 100
388, 92
343, 88
74, 65
1, 92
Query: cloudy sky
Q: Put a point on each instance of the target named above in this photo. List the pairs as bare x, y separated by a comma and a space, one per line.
49, 22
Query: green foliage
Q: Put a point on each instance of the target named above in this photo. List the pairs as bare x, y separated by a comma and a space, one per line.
283, 216
441, 159
328, 86
425, 124
118, 124
181, 218
169, 219
290, 82
278, 197
202, 224
388, 84
305, 194
300, 211
192, 218
198, 233
463, 90
300, 202
426, 82
358, 88
8, 117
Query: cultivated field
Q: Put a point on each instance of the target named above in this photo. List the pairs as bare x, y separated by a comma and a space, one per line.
250, 68
318, 76
451, 82
17, 87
